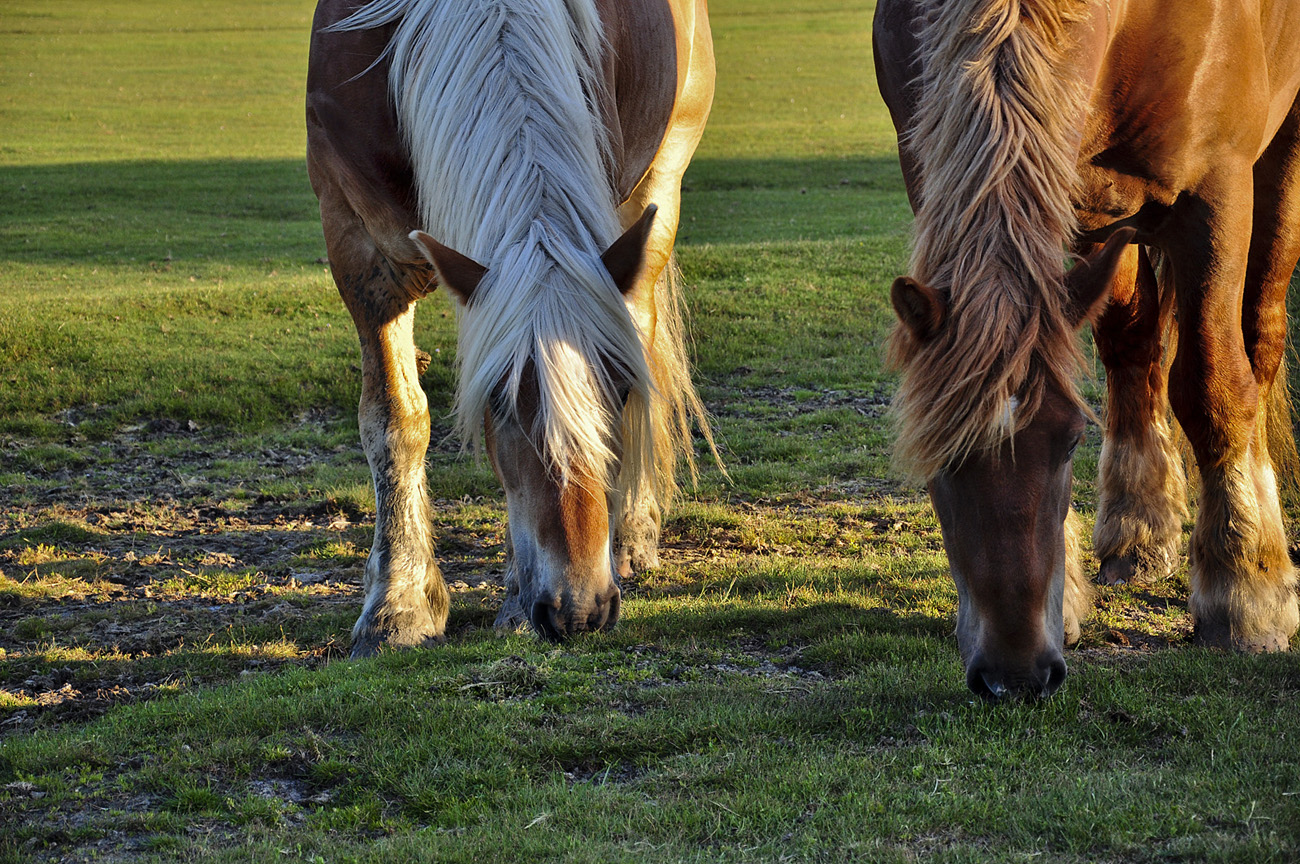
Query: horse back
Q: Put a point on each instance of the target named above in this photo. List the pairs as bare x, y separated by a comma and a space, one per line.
353, 134
896, 52
646, 69
1178, 91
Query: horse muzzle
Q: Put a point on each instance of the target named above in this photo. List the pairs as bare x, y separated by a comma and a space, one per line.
556, 621
995, 681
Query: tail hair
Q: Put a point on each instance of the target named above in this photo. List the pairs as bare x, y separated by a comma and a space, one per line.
678, 406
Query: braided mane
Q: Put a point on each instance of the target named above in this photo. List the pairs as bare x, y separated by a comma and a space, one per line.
497, 102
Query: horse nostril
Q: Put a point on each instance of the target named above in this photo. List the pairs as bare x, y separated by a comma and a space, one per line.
983, 683
543, 620
1056, 672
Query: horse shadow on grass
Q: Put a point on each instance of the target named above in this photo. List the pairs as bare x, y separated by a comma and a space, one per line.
256, 211
107, 213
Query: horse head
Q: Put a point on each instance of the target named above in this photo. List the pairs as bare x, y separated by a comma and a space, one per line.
566, 478
1002, 508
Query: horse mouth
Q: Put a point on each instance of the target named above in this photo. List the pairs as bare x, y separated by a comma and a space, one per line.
556, 624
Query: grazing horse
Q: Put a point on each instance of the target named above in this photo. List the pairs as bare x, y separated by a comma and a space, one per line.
1160, 140
541, 145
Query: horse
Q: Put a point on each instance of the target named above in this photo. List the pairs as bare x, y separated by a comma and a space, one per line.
1159, 143
525, 155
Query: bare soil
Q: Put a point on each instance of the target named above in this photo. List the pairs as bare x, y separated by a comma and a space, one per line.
142, 565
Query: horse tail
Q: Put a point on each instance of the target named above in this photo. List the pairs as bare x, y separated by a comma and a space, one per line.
1281, 437
677, 406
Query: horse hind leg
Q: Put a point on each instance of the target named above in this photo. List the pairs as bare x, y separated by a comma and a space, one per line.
1142, 487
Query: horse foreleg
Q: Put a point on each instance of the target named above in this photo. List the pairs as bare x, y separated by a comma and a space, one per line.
1266, 605
511, 617
636, 540
406, 600
1140, 476
1242, 581
1078, 595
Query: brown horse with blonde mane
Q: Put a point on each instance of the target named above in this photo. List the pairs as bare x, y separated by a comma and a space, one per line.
541, 145
1160, 141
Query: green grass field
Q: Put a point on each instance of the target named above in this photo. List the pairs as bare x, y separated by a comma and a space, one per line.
185, 512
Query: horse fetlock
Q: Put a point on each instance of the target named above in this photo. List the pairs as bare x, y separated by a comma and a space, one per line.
637, 544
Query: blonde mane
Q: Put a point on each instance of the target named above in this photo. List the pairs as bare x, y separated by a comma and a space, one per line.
996, 138
497, 101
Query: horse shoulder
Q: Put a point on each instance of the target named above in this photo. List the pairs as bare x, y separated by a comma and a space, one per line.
1170, 111
356, 161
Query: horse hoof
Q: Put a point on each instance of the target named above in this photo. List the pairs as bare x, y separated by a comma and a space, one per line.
1135, 568
511, 618
630, 563
1117, 570
633, 560
1219, 635
369, 646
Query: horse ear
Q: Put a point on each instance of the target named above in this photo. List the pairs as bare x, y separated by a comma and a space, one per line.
624, 257
921, 309
457, 273
1088, 283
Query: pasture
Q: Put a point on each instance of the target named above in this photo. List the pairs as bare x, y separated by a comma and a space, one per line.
185, 512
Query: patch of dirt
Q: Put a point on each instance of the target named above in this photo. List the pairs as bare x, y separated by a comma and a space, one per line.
143, 565
787, 402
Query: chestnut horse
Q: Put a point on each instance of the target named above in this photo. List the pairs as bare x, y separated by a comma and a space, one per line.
541, 145
1160, 140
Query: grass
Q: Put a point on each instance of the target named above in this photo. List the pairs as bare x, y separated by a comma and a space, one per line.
185, 515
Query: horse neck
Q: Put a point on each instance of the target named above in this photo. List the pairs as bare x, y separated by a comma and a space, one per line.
996, 138
495, 101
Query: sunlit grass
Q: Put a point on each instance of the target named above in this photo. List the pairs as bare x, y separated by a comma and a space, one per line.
188, 513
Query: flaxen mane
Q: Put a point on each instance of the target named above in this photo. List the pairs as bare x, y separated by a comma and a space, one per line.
496, 101
996, 137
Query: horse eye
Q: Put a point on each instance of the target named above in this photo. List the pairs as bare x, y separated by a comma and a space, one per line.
1075, 446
